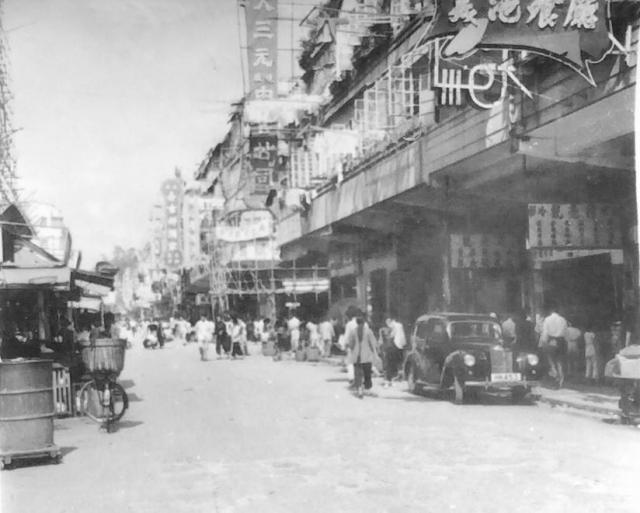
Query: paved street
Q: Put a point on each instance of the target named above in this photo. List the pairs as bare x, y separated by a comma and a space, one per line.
256, 435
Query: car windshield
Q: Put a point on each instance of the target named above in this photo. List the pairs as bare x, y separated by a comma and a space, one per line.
472, 329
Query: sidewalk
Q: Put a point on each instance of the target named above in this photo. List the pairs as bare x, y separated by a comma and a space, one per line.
599, 399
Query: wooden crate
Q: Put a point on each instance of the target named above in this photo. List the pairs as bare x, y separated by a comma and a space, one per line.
63, 397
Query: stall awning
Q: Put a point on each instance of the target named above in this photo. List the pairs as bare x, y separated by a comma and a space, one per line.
87, 303
92, 284
55, 278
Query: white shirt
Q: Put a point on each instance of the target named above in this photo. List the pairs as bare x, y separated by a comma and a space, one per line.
509, 328
293, 323
397, 333
589, 343
554, 326
236, 332
326, 330
202, 329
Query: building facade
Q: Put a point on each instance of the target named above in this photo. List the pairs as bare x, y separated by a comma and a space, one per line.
491, 173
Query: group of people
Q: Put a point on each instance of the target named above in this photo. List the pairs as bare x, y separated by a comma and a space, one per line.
570, 349
229, 332
355, 339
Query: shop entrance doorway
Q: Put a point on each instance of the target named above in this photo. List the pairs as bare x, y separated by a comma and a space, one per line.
582, 288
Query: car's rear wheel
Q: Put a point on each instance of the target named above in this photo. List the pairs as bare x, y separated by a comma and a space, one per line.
412, 385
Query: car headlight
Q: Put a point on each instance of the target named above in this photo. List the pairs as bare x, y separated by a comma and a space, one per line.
533, 359
469, 360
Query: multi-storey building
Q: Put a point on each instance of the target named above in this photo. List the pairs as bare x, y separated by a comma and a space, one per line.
487, 161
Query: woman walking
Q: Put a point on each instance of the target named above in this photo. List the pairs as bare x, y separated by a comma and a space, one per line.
236, 333
362, 343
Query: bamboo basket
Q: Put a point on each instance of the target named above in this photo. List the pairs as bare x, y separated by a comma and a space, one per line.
104, 355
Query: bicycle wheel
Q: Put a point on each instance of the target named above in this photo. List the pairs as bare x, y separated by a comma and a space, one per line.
119, 401
91, 403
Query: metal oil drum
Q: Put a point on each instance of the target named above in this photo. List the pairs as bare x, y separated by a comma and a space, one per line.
26, 407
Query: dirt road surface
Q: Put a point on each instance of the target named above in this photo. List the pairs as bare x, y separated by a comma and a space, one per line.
260, 436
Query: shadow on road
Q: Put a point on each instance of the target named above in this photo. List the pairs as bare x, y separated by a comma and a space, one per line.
134, 398
67, 450
19, 463
127, 383
127, 424
408, 398
337, 380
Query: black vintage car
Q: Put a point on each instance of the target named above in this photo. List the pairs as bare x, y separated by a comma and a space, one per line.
466, 352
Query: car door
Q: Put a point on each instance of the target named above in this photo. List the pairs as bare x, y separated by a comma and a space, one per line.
437, 343
420, 336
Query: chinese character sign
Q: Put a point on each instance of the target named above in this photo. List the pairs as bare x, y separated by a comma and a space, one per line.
560, 225
484, 251
263, 149
172, 193
262, 48
575, 32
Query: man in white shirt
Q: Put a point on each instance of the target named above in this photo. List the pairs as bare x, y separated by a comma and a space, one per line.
393, 348
554, 344
351, 314
509, 330
204, 334
327, 333
294, 331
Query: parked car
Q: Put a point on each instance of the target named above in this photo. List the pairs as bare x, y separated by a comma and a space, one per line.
466, 352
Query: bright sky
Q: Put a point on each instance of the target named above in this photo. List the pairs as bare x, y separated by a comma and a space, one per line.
111, 95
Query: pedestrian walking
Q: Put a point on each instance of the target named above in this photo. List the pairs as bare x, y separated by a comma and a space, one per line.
362, 343
236, 336
244, 336
351, 314
591, 355
223, 342
573, 335
393, 348
509, 330
327, 334
293, 325
203, 333
554, 344
283, 344
314, 336
526, 337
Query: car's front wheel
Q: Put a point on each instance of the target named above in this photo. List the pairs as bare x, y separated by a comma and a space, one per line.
412, 384
518, 395
458, 389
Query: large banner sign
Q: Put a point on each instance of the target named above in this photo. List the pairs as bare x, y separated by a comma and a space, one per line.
586, 225
575, 32
262, 48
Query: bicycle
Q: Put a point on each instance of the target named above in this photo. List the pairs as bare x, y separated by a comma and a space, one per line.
102, 398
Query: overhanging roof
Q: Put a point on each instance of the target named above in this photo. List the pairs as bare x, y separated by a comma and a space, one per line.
54, 278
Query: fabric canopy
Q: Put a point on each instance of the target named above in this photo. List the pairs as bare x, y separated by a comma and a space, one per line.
56, 278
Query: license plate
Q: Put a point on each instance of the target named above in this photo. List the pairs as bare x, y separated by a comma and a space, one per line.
506, 376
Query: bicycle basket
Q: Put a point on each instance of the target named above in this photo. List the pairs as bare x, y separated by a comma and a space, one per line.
104, 354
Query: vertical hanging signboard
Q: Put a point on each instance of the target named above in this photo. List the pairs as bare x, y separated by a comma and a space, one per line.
172, 193
263, 150
262, 48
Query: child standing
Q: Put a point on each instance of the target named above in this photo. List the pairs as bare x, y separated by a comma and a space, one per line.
592, 370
